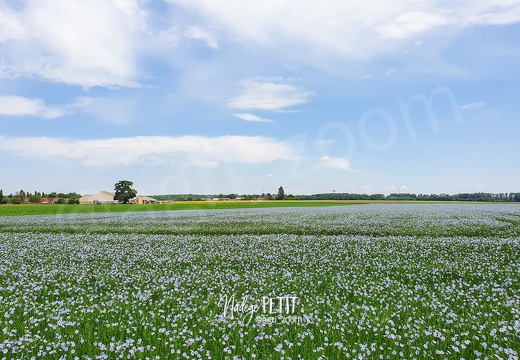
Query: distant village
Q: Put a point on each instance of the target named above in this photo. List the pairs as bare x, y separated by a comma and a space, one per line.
109, 198
103, 197
124, 194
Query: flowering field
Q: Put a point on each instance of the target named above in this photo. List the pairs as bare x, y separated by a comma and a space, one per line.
367, 281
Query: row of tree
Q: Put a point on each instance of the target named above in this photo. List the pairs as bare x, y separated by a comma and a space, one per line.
197, 197
487, 197
481, 197
22, 196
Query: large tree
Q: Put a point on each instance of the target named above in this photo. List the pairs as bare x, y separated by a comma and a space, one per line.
124, 191
281, 194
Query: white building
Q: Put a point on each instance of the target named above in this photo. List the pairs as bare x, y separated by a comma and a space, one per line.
103, 197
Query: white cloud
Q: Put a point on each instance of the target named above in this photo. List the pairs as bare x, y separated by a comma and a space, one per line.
471, 106
411, 23
87, 43
129, 7
101, 42
153, 150
309, 30
259, 94
22, 106
252, 118
117, 111
194, 32
336, 163
11, 27
500, 12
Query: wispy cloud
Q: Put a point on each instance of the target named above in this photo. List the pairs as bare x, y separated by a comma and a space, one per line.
22, 106
55, 40
336, 163
345, 28
252, 118
471, 106
153, 150
259, 94
410, 23
194, 32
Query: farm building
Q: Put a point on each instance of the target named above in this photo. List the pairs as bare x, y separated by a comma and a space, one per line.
103, 197
143, 200
48, 200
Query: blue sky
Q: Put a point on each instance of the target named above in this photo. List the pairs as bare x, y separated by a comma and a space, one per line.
240, 97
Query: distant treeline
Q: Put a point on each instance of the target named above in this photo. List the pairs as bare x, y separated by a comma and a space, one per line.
23, 197
197, 197
488, 197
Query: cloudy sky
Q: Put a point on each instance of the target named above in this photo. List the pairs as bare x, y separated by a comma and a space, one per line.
202, 96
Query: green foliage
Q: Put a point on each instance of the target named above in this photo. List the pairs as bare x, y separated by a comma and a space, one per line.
482, 197
1, 196
35, 199
292, 197
281, 194
18, 198
124, 191
198, 197
73, 198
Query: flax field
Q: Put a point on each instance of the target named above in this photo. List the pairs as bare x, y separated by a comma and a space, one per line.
375, 281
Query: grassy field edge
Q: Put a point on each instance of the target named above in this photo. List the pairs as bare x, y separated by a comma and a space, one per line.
44, 209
